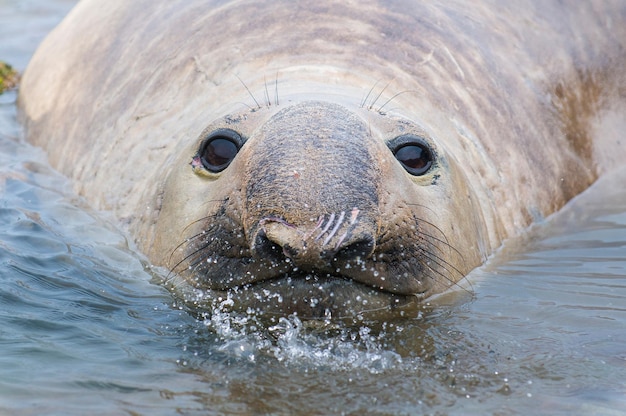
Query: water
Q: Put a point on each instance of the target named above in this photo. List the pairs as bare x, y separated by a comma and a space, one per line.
86, 329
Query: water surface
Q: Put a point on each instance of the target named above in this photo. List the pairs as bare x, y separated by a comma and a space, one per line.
86, 329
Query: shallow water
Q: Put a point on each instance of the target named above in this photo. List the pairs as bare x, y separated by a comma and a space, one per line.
84, 328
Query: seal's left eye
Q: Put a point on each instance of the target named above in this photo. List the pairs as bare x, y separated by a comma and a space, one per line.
219, 149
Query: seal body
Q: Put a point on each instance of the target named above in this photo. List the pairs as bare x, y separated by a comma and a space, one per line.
330, 156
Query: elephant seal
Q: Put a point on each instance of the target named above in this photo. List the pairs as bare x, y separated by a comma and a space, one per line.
329, 157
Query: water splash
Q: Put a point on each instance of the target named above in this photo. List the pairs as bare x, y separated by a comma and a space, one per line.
322, 344
348, 349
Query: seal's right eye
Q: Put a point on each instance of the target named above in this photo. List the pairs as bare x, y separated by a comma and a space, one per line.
413, 153
219, 149
415, 158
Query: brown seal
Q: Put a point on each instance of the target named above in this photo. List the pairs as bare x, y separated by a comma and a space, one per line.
329, 157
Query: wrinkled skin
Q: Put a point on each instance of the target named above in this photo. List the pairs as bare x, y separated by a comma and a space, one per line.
519, 108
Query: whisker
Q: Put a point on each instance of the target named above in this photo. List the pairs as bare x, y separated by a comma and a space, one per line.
450, 280
173, 252
276, 90
189, 239
247, 105
441, 262
368, 94
382, 240
197, 221
444, 242
392, 98
249, 92
421, 206
184, 259
266, 94
379, 94
193, 265
170, 282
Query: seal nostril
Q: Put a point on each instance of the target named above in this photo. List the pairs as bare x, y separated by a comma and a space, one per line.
289, 251
359, 249
268, 249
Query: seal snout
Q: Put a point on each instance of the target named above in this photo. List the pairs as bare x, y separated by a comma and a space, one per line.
320, 247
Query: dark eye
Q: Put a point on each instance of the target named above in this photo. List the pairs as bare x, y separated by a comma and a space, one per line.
219, 149
414, 156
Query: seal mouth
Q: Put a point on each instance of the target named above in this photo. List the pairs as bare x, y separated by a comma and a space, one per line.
313, 296
289, 269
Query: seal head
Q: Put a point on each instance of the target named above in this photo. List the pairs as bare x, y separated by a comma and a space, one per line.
318, 209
